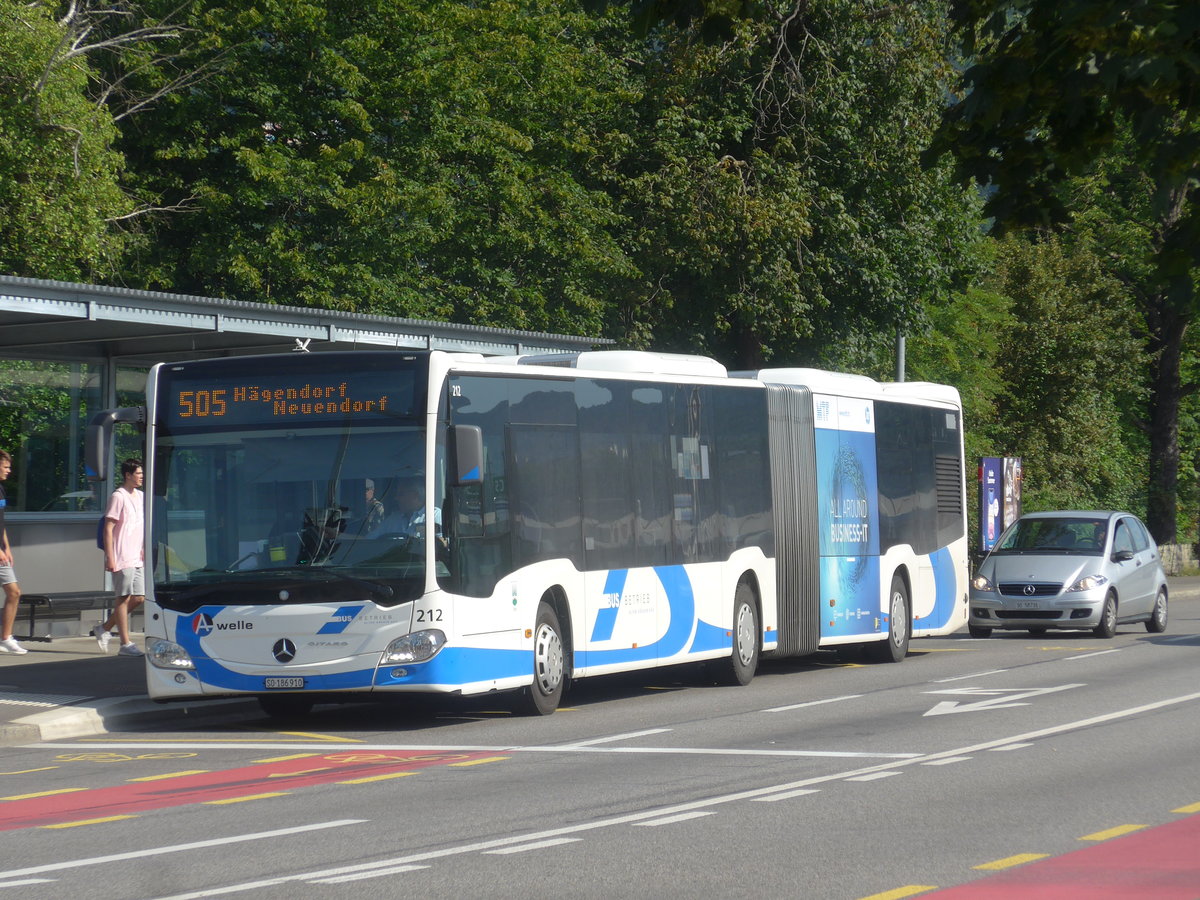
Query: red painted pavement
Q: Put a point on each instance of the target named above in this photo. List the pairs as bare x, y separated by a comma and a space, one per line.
1161, 863
284, 775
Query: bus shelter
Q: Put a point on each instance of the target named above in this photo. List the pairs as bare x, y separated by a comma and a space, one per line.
68, 350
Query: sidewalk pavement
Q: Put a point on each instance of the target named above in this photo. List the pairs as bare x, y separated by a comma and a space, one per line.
67, 689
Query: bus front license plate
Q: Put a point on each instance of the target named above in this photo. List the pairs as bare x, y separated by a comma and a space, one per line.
283, 682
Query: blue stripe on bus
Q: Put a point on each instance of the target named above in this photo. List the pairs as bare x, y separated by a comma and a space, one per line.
341, 619
606, 619
458, 666
681, 603
945, 589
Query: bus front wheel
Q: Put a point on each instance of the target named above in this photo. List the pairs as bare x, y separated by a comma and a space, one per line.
743, 660
549, 666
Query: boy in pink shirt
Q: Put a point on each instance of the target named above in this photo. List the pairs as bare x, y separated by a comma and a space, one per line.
124, 543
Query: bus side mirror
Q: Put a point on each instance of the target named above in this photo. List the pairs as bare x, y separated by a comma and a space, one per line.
99, 438
467, 454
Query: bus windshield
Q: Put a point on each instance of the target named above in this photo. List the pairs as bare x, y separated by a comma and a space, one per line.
248, 511
287, 481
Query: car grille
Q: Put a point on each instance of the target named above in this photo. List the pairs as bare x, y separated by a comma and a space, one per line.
1019, 589
1028, 613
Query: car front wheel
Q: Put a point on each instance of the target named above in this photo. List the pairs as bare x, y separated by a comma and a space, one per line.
1108, 619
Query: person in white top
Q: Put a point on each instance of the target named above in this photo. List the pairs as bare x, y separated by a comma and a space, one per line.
8, 578
124, 540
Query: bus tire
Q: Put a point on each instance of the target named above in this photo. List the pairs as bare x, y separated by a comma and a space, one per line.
895, 648
285, 706
542, 697
739, 669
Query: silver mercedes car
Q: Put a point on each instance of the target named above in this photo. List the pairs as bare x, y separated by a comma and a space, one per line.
1076, 569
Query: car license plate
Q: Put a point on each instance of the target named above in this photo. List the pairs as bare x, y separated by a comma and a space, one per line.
1029, 604
283, 682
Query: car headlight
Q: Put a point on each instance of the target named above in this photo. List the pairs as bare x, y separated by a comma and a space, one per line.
416, 647
981, 583
167, 655
1088, 583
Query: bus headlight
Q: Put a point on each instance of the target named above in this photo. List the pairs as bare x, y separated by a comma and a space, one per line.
416, 647
167, 655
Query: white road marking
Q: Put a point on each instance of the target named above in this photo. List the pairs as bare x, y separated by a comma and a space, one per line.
671, 820
378, 873
872, 776
948, 760
1090, 655
179, 848
786, 796
648, 815
812, 703
965, 677
999, 698
539, 845
506, 748
611, 738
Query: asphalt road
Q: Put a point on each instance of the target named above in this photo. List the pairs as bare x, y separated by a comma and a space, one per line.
970, 763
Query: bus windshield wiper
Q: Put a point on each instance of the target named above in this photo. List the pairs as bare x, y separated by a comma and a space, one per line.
372, 587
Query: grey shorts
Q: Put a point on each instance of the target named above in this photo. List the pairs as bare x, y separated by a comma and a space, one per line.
7, 575
129, 583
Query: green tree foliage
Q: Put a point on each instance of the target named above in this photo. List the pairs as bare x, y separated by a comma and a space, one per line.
408, 158
779, 206
59, 176
1071, 372
1054, 89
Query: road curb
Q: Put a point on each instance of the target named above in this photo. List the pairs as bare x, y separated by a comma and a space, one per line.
100, 716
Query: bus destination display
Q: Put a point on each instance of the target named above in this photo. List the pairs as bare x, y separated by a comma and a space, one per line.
306, 399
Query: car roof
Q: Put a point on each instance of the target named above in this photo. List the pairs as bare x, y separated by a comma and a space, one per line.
1077, 514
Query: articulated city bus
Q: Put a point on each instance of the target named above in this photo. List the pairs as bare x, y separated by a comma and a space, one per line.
323, 524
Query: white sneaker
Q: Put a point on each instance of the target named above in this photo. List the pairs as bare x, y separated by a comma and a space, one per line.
102, 637
10, 645
130, 649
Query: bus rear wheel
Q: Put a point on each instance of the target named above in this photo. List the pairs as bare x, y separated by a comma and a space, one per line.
743, 660
895, 648
549, 667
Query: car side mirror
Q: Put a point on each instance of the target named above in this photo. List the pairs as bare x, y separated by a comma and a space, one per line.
1122, 556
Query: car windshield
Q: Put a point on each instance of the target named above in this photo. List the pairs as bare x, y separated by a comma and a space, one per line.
1054, 535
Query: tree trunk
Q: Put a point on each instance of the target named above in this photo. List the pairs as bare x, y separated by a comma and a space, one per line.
1166, 391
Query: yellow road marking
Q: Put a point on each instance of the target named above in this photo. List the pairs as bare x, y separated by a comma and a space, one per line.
910, 890
475, 762
321, 737
1112, 832
299, 772
377, 778
88, 822
1009, 861
244, 799
28, 771
170, 775
285, 758
42, 794
1190, 808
